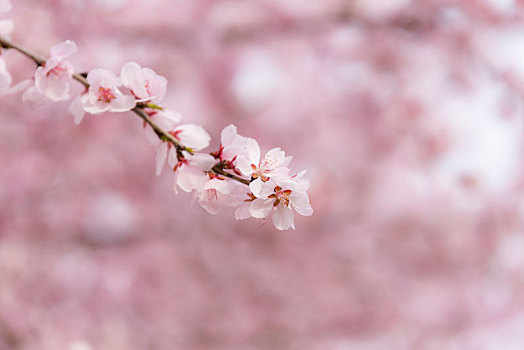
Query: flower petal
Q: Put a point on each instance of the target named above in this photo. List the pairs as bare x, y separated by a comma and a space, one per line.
76, 109
161, 156
242, 212
64, 49
122, 103
260, 208
193, 136
283, 218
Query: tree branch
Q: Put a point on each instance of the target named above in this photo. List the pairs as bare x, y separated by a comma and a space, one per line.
138, 110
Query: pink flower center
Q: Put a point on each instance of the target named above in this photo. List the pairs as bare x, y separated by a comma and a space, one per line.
175, 134
105, 94
259, 172
280, 196
180, 163
57, 70
267, 163
212, 194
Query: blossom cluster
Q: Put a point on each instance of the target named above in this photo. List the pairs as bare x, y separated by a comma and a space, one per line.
233, 176
272, 191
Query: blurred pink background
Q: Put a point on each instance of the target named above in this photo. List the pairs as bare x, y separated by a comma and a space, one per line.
407, 114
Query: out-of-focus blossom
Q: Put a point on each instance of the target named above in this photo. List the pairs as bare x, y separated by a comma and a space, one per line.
6, 27
103, 94
144, 83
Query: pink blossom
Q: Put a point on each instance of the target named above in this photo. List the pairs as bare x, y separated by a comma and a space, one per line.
166, 119
191, 136
144, 83
53, 79
279, 198
103, 94
190, 171
232, 144
33, 96
242, 203
214, 195
273, 163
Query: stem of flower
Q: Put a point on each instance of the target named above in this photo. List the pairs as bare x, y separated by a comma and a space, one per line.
217, 169
6, 44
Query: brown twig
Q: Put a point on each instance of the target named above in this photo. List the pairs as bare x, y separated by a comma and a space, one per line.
217, 169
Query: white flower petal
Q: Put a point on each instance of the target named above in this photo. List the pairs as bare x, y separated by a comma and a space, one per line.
193, 136
283, 218
244, 165
203, 161
76, 109
33, 97
122, 103
260, 208
228, 135
253, 151
242, 212
256, 187
64, 49
161, 156
189, 178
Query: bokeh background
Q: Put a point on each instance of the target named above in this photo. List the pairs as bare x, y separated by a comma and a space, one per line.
407, 114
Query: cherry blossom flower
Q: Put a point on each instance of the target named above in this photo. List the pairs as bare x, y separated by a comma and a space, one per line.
279, 198
273, 163
191, 136
214, 194
144, 83
53, 79
233, 145
191, 170
242, 203
103, 94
